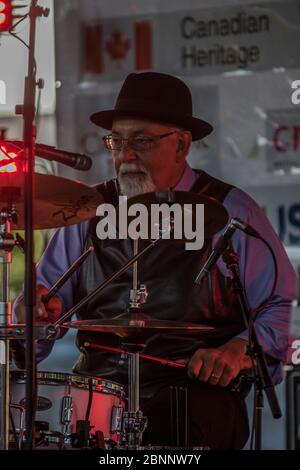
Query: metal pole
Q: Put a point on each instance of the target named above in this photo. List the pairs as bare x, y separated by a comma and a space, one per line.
5, 320
259, 401
135, 265
29, 132
134, 358
29, 285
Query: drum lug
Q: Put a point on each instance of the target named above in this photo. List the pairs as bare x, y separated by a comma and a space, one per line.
66, 413
116, 419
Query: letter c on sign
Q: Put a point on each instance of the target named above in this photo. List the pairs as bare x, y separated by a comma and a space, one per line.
280, 147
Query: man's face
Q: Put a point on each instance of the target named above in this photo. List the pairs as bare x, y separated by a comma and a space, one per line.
155, 169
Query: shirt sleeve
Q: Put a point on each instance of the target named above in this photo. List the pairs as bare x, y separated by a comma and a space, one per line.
64, 247
271, 318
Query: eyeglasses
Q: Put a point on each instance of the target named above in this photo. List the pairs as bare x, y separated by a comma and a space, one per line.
138, 142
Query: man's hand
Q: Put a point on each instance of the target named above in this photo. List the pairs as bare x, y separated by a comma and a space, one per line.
219, 366
43, 313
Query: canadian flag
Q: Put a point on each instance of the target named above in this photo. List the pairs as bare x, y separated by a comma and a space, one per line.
117, 47
143, 45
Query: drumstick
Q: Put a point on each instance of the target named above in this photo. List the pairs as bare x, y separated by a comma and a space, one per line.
164, 362
67, 275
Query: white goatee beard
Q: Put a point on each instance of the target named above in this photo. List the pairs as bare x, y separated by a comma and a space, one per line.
134, 184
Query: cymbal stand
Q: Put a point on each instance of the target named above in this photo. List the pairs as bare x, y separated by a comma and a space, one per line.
7, 243
134, 422
53, 327
27, 109
135, 302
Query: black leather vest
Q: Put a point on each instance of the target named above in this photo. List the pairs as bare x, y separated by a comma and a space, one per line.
169, 273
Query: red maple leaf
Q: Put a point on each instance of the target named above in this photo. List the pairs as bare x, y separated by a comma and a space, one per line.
117, 47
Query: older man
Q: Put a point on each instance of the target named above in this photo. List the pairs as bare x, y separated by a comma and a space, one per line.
152, 128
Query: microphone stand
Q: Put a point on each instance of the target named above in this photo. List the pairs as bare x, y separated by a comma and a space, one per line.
29, 134
262, 376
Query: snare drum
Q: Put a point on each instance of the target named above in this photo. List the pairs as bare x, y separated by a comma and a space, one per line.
63, 399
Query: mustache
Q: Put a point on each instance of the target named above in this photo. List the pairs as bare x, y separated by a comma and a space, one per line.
131, 168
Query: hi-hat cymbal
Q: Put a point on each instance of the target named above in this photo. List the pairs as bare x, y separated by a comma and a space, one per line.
215, 214
139, 325
58, 201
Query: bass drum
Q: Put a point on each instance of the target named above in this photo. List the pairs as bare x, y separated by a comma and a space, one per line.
65, 400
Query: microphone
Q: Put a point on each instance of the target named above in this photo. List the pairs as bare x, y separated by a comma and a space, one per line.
245, 228
222, 244
74, 160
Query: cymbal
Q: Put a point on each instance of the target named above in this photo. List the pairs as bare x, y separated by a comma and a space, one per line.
58, 201
18, 331
143, 326
215, 214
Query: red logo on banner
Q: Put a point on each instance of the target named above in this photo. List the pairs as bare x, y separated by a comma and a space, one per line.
93, 37
143, 44
118, 47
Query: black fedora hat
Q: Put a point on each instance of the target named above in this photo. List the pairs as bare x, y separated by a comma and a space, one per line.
155, 96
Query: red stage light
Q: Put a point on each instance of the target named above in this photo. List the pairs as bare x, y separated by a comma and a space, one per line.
5, 154
6, 16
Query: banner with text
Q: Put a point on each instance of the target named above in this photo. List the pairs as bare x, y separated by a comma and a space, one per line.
192, 42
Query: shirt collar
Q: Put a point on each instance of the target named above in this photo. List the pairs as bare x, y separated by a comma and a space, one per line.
187, 180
